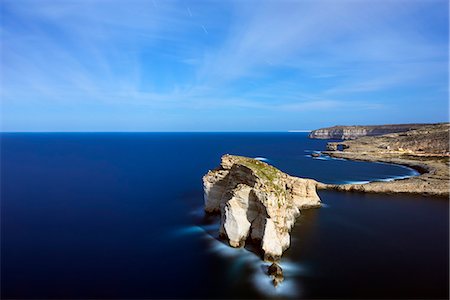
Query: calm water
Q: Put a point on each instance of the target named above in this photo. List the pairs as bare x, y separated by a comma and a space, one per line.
120, 216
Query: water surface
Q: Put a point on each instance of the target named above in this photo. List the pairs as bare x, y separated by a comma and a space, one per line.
119, 215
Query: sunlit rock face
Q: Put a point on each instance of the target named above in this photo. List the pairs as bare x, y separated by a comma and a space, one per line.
256, 201
353, 132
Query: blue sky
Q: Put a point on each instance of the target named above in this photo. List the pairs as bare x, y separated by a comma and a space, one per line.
110, 65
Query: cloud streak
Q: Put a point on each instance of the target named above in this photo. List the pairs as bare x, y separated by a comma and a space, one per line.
228, 59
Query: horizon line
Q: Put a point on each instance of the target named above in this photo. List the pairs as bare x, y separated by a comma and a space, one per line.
269, 131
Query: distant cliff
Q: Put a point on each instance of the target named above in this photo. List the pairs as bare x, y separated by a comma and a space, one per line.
427, 140
353, 132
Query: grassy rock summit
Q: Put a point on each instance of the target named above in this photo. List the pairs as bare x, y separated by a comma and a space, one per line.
355, 131
257, 203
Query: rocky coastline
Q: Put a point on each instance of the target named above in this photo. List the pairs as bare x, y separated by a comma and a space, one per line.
425, 149
356, 131
258, 204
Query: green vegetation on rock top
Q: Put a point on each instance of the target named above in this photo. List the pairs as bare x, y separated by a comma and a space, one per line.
263, 170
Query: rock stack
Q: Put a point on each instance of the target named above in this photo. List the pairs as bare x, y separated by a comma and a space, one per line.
257, 202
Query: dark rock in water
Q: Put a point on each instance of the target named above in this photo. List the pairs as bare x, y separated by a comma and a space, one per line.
315, 154
332, 146
277, 280
276, 272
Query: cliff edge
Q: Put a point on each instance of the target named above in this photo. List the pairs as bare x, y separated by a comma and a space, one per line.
257, 202
425, 149
356, 131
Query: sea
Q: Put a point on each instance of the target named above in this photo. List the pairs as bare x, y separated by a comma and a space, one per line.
120, 216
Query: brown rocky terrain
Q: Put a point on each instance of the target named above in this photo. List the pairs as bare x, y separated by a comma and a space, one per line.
425, 149
356, 131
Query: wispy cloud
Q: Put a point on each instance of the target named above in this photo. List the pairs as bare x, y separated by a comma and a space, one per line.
257, 57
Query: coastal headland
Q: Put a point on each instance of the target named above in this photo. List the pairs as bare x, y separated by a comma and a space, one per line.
258, 204
340, 132
425, 149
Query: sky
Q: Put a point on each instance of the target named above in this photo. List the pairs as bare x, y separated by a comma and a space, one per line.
154, 65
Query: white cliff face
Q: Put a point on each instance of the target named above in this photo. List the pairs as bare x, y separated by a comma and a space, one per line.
258, 202
236, 223
272, 245
214, 188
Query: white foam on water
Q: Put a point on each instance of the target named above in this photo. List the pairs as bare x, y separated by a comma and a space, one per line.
193, 230
336, 158
190, 230
412, 173
324, 205
327, 157
241, 258
262, 159
392, 178
291, 269
220, 248
198, 212
211, 227
322, 158
356, 182
385, 179
263, 283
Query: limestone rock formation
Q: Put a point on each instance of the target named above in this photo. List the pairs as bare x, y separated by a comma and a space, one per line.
356, 131
257, 202
428, 140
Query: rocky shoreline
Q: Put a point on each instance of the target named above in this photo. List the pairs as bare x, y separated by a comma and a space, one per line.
259, 204
356, 131
425, 150
433, 178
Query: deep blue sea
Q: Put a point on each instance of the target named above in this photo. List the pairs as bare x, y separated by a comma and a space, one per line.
119, 215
